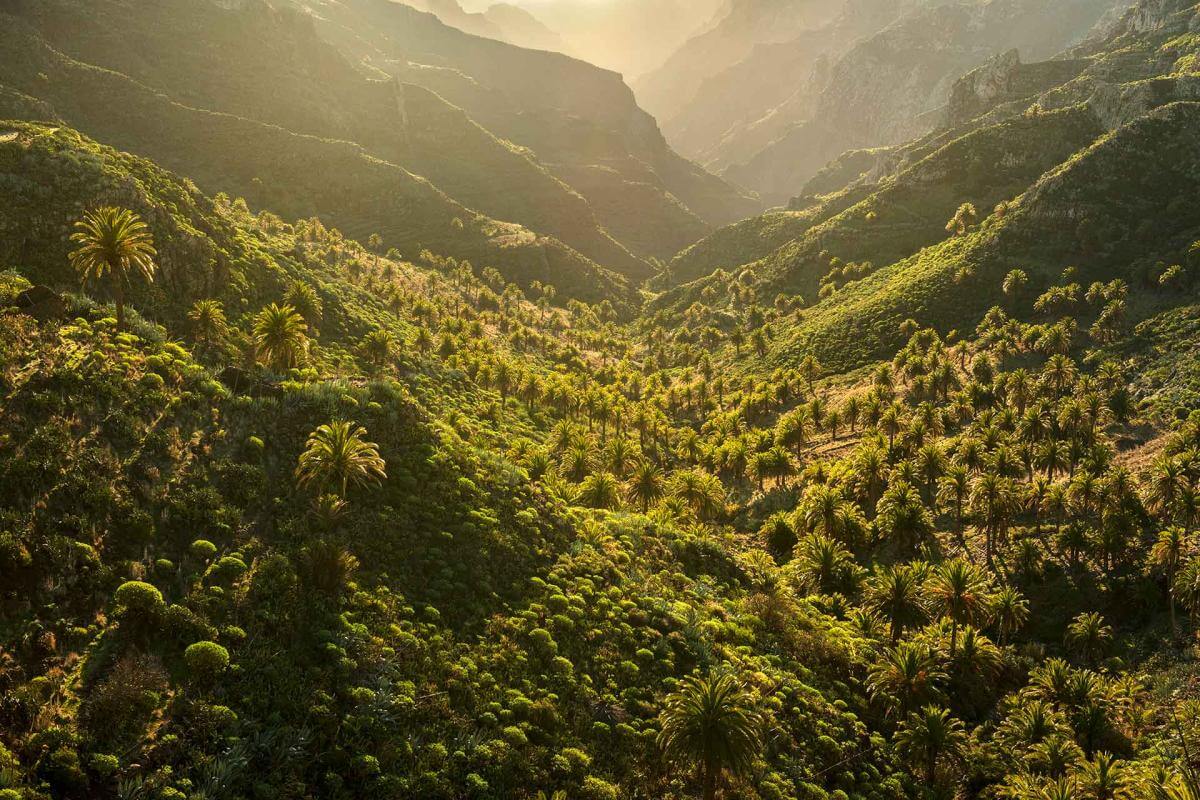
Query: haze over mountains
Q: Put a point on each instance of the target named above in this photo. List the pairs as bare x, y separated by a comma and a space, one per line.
777, 89
469, 128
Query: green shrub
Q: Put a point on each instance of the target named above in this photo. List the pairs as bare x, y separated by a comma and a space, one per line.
206, 660
202, 549
594, 788
228, 569
184, 624
104, 764
138, 598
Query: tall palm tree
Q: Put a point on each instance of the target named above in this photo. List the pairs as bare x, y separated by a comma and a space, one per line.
338, 454
701, 491
958, 591
993, 501
281, 336
903, 517
645, 485
600, 490
928, 737
895, 593
377, 346
823, 564
1010, 611
711, 723
113, 245
1167, 554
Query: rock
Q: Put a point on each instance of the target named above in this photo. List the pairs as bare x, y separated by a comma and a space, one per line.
41, 302
979, 88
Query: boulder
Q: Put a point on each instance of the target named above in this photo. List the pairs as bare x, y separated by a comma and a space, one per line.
41, 302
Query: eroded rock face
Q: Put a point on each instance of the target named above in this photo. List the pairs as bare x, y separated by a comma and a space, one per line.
1151, 15
982, 86
1117, 105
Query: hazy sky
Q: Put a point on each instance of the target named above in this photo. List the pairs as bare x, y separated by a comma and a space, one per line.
630, 36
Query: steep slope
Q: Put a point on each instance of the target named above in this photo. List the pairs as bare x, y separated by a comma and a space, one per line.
300, 83
575, 117
875, 252
631, 37
1095, 213
737, 111
128, 456
892, 86
738, 28
903, 212
520, 27
292, 173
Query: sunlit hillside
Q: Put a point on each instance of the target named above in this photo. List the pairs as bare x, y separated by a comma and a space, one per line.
800, 402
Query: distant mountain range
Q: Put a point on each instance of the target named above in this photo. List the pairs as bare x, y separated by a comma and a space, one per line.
528, 160
778, 88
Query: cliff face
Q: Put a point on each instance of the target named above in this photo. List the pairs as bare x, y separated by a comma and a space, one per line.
1005, 79
879, 74
747, 24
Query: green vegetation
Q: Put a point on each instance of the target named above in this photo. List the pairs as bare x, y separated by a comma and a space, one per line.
894, 509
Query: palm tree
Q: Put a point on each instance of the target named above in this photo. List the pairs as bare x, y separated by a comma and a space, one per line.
810, 367
307, 303
701, 491
1089, 636
600, 490
1167, 554
377, 346
645, 486
1010, 611
209, 325
895, 593
1103, 778
993, 501
908, 676
903, 518
338, 454
823, 564
713, 724
959, 591
281, 336
113, 245
927, 737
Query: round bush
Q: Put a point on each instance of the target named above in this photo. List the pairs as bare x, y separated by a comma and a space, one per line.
206, 659
104, 764
203, 549
138, 597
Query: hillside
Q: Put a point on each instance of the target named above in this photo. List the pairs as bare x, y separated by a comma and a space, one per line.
886, 229
874, 74
306, 85
732, 36
317, 482
571, 114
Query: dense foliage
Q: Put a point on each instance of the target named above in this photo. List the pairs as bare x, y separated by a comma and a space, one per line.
285, 514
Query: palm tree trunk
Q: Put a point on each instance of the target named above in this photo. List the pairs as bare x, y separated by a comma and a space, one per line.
709, 779
119, 300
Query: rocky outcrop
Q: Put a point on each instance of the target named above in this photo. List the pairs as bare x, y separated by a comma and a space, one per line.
41, 302
1005, 79
1118, 105
983, 86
